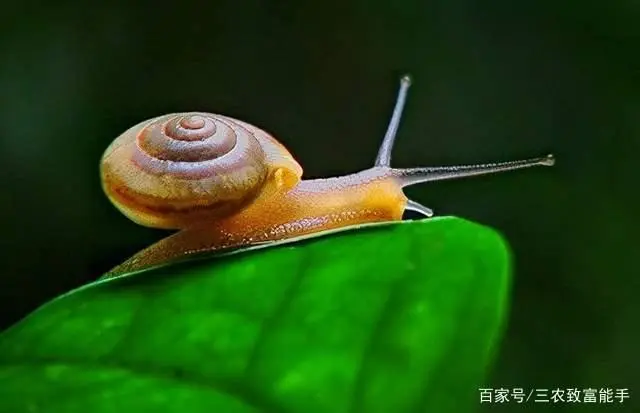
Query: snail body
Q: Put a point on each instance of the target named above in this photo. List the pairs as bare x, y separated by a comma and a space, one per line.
225, 183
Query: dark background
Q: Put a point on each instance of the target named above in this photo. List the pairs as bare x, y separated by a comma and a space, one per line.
493, 80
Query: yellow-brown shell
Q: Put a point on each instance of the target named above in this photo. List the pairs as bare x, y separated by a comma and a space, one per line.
183, 169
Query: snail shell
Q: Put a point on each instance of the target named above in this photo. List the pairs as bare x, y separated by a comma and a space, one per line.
184, 169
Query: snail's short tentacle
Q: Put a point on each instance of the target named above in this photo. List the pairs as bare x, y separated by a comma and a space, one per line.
419, 208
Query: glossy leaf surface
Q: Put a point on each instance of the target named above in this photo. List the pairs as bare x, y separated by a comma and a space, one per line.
392, 318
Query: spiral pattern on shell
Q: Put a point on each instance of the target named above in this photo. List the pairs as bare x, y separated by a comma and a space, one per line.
181, 169
193, 146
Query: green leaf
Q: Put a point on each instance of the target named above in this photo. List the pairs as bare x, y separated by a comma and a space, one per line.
388, 318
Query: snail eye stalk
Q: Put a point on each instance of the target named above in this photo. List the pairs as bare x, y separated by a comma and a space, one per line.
412, 176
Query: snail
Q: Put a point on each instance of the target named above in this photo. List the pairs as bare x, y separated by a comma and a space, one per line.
224, 183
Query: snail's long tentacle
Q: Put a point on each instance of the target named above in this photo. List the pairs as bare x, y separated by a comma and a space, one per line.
412, 176
384, 153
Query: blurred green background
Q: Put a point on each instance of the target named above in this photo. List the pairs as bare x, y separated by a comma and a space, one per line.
493, 80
